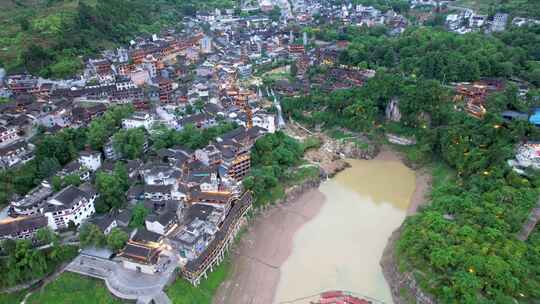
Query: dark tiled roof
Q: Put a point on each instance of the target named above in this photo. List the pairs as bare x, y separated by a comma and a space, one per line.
13, 147
68, 195
144, 236
211, 196
157, 188
103, 222
18, 225
140, 253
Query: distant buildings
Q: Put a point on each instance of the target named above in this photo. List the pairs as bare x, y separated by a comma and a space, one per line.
206, 45
139, 120
499, 22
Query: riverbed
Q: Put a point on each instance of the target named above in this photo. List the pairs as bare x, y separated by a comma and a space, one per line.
330, 238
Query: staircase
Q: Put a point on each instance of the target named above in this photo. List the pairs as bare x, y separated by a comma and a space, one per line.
530, 224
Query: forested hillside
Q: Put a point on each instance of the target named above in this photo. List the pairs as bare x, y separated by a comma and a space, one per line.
522, 8
50, 37
449, 57
463, 247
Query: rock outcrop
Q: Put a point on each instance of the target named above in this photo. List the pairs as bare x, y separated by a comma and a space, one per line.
399, 281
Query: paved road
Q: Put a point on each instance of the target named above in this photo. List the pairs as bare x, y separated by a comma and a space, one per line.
125, 283
4, 213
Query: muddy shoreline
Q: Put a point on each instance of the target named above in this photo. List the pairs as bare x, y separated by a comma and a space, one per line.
398, 281
267, 245
269, 239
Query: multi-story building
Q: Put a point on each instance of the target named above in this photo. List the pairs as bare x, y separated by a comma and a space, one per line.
159, 174
109, 152
209, 155
202, 224
266, 121
21, 227
32, 202
499, 22
8, 134
206, 45
71, 204
165, 90
90, 159
137, 120
16, 153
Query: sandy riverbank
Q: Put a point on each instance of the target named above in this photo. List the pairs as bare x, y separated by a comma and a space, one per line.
269, 242
264, 248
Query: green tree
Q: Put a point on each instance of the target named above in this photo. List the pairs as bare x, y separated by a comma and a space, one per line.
45, 236
48, 167
117, 239
138, 216
130, 143
91, 235
112, 188
25, 263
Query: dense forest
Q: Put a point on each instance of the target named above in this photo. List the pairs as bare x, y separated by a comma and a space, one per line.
522, 8
437, 54
50, 38
463, 247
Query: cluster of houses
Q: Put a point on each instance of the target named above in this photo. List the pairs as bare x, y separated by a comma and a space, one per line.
178, 78
189, 194
191, 77
467, 21
360, 15
198, 76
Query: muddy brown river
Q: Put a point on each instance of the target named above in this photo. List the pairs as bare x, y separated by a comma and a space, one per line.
341, 246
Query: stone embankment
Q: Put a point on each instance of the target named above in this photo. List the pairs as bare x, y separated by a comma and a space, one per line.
331, 155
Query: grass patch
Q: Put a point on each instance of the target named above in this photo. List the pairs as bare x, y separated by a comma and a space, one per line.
14, 297
71, 288
311, 142
344, 136
183, 292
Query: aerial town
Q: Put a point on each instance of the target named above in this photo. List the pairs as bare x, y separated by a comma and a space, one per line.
211, 74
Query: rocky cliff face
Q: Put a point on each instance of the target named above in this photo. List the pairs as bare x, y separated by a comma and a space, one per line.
399, 281
294, 192
392, 110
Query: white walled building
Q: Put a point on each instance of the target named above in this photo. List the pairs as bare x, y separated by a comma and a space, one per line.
138, 120
71, 204
8, 134
265, 121
157, 174
206, 45
90, 159
140, 77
